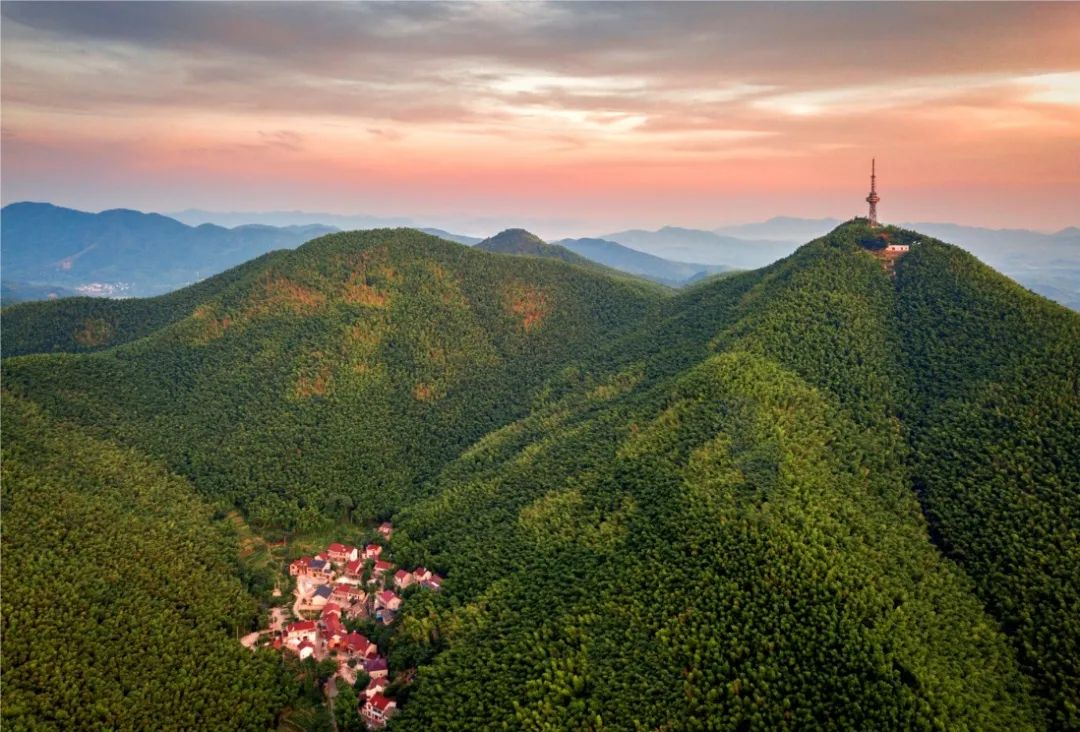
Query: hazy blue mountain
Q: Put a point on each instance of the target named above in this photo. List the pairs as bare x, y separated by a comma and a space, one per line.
1048, 264
658, 269
13, 292
449, 236
697, 245
345, 222
122, 252
781, 228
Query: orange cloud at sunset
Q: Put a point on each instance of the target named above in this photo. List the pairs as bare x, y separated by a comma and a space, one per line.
591, 116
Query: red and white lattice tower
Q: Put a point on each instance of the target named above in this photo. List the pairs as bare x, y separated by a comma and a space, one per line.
873, 198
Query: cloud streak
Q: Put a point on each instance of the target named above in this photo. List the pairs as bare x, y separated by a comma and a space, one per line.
417, 107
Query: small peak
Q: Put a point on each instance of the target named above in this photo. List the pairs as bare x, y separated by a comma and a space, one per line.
513, 241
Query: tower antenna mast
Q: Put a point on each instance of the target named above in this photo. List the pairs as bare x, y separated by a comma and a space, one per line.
873, 198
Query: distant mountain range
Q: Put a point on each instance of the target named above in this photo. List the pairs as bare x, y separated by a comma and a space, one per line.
50, 251
658, 269
125, 253
197, 217
697, 245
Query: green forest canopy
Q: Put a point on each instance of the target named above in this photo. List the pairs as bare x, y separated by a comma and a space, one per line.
666, 509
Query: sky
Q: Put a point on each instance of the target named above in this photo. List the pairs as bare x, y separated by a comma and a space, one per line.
568, 118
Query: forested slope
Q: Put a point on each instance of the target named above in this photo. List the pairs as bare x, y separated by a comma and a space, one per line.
121, 601
705, 540
85, 324
335, 377
996, 431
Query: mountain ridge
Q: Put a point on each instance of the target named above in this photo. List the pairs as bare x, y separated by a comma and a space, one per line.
126, 252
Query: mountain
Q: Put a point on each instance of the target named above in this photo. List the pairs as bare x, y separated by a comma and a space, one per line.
122, 252
838, 491
359, 361
345, 222
342, 222
459, 238
519, 241
781, 228
13, 292
739, 501
625, 259
695, 245
1049, 264
1046, 263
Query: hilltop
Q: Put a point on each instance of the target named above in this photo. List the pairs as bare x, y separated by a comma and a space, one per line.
828, 492
763, 444
519, 241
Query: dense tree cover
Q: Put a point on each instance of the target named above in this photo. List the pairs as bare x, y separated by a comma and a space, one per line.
722, 545
681, 513
121, 603
85, 324
996, 430
337, 376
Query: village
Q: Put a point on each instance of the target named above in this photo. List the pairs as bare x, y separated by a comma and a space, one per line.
345, 583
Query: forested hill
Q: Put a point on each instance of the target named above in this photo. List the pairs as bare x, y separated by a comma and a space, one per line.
727, 527
519, 241
340, 374
994, 420
837, 492
84, 324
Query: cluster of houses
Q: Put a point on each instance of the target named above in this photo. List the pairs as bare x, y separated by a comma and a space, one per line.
314, 638
338, 576
346, 582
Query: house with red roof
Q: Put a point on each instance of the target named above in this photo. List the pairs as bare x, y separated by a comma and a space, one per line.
378, 710
345, 594
421, 574
387, 599
372, 551
403, 579
299, 566
333, 631
301, 630
386, 529
341, 553
330, 608
434, 582
358, 646
376, 686
355, 569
